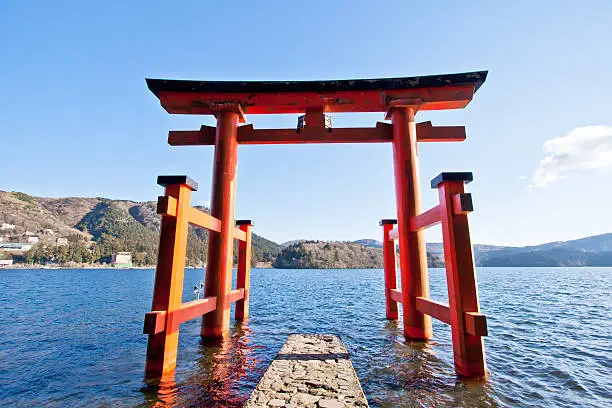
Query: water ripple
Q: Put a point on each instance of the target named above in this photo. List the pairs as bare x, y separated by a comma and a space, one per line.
72, 338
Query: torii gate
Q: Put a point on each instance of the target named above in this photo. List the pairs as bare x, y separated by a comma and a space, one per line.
401, 99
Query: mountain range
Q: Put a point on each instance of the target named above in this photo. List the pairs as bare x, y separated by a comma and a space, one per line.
590, 251
95, 228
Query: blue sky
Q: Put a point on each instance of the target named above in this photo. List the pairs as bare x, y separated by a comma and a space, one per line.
76, 118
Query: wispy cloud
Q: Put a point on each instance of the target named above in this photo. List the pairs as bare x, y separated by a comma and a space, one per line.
584, 148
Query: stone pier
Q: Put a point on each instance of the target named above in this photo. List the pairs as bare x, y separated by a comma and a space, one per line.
310, 370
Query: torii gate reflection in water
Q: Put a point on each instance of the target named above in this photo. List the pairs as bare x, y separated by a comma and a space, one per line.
401, 99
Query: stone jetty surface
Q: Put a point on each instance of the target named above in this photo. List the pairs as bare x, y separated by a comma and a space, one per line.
310, 370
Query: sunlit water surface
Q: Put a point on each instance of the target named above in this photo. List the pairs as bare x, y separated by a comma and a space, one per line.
73, 338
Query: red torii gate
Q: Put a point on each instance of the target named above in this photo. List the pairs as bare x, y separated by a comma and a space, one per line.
401, 99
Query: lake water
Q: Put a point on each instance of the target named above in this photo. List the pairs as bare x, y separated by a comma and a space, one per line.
73, 338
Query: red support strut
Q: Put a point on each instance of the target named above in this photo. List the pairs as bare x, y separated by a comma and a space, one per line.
220, 244
468, 325
390, 265
413, 259
168, 311
243, 280
168, 288
468, 349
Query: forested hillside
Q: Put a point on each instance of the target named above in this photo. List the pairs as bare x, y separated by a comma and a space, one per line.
96, 228
336, 255
90, 230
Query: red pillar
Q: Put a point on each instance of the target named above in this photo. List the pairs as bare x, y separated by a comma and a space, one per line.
220, 244
413, 258
390, 265
468, 349
168, 288
243, 280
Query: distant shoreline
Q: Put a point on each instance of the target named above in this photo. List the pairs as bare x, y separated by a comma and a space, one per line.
24, 266
106, 266
39, 267
85, 233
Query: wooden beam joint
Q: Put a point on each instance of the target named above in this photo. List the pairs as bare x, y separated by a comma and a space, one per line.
413, 104
462, 203
428, 133
155, 322
396, 295
219, 107
240, 234
204, 136
476, 324
235, 295
167, 206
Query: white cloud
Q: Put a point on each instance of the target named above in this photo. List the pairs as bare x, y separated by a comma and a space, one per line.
584, 148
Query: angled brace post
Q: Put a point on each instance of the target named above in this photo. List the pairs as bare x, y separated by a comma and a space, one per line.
467, 324
168, 288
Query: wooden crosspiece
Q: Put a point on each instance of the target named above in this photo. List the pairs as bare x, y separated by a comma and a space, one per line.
468, 325
168, 310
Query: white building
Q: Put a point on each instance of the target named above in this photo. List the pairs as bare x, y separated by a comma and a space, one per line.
30, 233
48, 231
6, 226
33, 240
122, 260
6, 262
15, 246
62, 241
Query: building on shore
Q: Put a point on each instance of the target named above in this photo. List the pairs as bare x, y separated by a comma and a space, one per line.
15, 246
62, 241
48, 231
122, 260
6, 226
6, 262
33, 240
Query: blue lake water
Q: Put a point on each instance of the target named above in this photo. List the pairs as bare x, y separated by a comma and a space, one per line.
73, 338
